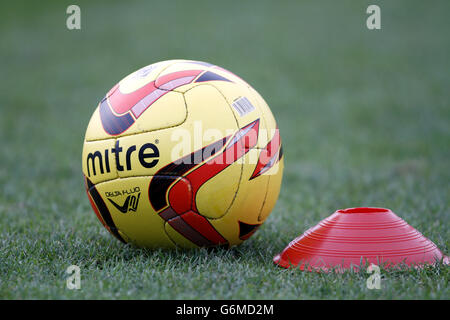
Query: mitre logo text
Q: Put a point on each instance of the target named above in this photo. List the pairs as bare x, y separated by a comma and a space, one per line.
98, 161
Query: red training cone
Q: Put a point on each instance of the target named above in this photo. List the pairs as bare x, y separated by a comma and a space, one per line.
351, 236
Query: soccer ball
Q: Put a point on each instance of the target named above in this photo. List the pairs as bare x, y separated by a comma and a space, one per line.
182, 154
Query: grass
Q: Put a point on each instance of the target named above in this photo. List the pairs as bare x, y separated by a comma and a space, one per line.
364, 117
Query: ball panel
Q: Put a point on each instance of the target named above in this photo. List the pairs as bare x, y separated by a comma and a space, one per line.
215, 196
129, 206
209, 116
168, 110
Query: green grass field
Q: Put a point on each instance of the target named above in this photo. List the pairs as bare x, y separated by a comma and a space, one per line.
364, 116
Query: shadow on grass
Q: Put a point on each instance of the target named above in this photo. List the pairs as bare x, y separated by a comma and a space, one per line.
102, 251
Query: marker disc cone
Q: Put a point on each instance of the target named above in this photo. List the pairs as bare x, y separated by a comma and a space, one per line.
351, 236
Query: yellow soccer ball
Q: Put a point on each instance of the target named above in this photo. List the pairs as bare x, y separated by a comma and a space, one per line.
182, 154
